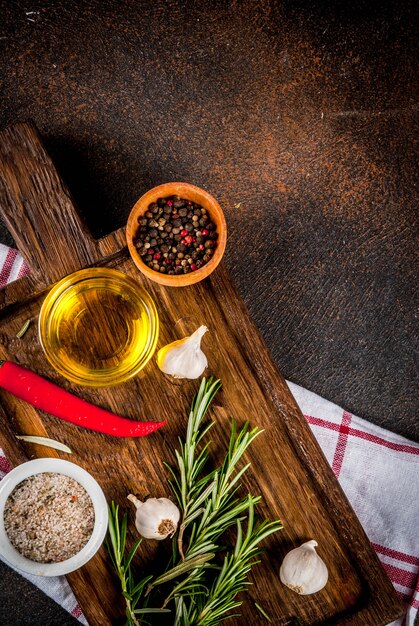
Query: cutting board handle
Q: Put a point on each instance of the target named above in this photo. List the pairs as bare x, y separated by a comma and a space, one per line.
38, 209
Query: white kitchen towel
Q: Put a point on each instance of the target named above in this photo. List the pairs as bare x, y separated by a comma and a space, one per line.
378, 470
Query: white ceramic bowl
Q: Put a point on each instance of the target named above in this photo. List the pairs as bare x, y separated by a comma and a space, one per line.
38, 466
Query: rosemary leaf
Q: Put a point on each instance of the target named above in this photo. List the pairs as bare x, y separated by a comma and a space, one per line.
23, 330
265, 615
144, 611
184, 567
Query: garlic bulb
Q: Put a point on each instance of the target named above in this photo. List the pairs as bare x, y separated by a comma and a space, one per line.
156, 518
303, 571
184, 358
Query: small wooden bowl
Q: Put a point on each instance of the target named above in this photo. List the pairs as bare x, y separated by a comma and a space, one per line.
188, 192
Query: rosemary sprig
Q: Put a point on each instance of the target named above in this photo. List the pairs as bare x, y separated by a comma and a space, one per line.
209, 507
204, 587
131, 591
232, 578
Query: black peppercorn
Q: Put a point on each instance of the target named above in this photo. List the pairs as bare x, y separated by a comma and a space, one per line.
175, 236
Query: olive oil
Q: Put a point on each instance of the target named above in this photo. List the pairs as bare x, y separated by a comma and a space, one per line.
98, 327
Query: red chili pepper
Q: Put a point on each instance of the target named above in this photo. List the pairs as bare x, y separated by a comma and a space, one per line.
44, 395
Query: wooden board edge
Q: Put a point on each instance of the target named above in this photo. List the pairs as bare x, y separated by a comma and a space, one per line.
382, 594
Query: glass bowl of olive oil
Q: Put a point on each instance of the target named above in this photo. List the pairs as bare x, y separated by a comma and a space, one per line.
98, 327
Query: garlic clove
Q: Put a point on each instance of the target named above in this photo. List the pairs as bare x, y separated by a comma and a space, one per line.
184, 358
156, 518
303, 571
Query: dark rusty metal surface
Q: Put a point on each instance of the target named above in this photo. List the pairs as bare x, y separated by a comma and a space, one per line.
299, 119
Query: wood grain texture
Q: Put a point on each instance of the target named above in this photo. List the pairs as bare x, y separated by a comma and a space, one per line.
38, 210
288, 467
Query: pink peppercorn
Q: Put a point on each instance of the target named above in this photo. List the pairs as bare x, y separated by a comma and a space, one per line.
193, 267
183, 233
169, 203
205, 232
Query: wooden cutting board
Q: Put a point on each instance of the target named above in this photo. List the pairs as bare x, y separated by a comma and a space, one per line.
288, 468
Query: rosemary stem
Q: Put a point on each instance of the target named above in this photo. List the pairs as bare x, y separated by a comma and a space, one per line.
180, 541
127, 601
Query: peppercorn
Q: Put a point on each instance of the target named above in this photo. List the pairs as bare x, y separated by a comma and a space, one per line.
175, 234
